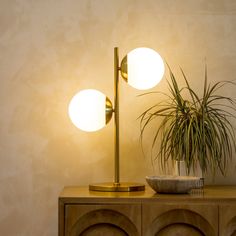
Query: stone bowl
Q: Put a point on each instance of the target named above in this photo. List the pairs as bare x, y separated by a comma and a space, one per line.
172, 183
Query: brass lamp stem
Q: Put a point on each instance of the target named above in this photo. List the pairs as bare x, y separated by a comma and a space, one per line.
116, 118
116, 186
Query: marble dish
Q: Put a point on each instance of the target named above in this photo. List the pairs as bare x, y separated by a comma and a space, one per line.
173, 183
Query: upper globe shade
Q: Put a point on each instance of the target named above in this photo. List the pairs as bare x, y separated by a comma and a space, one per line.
145, 68
87, 110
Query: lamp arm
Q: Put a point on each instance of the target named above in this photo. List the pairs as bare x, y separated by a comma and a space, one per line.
116, 118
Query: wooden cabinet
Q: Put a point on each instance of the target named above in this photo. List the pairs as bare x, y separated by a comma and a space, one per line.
86, 213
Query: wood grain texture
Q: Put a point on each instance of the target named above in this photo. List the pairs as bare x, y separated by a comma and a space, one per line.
227, 219
179, 230
88, 219
103, 229
200, 219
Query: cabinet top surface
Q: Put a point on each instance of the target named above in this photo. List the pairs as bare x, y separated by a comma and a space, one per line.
81, 194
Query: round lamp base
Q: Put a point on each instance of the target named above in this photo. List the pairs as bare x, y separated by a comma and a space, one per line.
114, 187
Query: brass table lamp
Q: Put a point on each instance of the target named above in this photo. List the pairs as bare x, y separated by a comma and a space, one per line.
90, 109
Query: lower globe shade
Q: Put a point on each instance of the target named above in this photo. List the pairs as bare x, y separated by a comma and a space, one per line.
87, 110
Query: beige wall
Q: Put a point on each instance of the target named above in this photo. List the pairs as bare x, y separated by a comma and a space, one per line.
50, 49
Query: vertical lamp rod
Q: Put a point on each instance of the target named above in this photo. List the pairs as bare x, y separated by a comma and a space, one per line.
116, 185
116, 118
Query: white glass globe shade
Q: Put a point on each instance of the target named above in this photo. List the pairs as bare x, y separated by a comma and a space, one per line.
145, 68
87, 110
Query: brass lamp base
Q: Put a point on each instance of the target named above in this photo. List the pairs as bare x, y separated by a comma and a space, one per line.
120, 187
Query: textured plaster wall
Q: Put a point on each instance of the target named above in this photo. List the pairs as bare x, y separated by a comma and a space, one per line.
50, 49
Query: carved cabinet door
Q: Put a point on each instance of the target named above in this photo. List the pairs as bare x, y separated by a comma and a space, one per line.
227, 218
179, 219
102, 220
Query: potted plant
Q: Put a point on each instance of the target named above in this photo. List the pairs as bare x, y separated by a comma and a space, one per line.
192, 128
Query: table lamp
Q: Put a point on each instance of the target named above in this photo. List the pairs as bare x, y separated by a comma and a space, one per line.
91, 110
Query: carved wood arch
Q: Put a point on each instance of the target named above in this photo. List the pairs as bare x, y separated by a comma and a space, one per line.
181, 221
231, 227
104, 222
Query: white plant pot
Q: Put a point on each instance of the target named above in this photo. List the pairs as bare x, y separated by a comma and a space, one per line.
181, 170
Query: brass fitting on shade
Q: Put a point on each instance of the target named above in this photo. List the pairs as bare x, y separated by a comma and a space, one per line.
109, 110
124, 69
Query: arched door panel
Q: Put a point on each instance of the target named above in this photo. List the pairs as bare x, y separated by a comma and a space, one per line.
179, 220
227, 216
179, 229
102, 220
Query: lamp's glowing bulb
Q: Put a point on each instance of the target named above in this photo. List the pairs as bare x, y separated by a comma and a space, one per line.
145, 68
87, 110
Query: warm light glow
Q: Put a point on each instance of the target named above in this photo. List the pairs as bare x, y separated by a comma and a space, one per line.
145, 68
87, 110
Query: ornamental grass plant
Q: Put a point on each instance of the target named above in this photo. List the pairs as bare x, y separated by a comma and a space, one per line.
192, 128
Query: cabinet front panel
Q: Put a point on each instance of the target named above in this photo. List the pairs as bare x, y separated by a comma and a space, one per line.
179, 219
227, 218
96, 220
